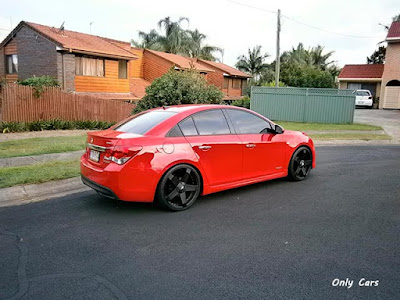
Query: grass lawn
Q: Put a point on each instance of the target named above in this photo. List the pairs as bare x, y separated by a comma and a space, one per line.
37, 146
39, 173
349, 136
326, 127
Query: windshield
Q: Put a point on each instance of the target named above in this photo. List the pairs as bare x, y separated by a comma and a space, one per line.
144, 122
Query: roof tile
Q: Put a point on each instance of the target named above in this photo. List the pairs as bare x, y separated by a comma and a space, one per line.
84, 42
182, 61
225, 68
362, 71
394, 30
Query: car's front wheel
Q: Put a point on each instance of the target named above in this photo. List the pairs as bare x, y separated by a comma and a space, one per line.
301, 164
179, 188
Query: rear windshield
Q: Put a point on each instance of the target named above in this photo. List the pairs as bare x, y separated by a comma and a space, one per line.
144, 122
362, 93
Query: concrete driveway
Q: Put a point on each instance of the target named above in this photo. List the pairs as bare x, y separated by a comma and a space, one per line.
388, 119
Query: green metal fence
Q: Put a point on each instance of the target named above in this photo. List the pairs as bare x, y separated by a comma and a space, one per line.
314, 105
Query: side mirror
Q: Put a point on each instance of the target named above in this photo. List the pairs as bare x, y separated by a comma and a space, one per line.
278, 129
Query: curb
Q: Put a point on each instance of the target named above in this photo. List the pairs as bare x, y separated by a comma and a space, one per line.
23, 194
355, 142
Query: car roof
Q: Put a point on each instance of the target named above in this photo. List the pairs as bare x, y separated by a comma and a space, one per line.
190, 107
183, 111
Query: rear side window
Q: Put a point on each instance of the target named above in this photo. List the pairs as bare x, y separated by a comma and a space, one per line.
143, 123
187, 127
247, 123
211, 122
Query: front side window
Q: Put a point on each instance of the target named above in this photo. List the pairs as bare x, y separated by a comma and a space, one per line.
247, 123
122, 69
211, 122
144, 122
88, 66
12, 64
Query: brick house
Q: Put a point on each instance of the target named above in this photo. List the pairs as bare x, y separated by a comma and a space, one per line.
383, 80
85, 63
80, 62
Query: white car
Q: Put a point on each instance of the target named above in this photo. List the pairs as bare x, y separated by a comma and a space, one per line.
364, 98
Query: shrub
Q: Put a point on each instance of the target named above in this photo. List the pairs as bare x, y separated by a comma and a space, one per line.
39, 83
179, 87
244, 102
55, 124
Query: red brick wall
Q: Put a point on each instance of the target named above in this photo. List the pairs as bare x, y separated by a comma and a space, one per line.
391, 70
154, 66
216, 78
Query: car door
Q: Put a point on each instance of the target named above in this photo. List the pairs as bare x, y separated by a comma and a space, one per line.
215, 144
263, 153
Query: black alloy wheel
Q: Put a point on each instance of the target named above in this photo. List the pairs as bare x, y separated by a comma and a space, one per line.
300, 164
179, 188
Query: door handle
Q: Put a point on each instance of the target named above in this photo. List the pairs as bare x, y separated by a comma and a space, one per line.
204, 147
250, 145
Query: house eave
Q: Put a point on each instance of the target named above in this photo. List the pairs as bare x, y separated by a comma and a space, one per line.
100, 54
360, 79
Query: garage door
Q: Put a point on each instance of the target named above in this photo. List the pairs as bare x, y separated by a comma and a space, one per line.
392, 97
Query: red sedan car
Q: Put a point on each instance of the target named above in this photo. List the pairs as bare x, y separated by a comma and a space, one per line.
172, 155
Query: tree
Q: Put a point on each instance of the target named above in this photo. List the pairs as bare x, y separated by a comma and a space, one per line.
147, 40
378, 57
297, 75
179, 87
172, 38
254, 63
197, 48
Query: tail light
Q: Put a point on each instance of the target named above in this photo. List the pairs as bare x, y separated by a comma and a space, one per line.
121, 154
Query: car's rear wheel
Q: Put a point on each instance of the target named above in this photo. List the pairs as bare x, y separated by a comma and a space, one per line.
179, 188
301, 164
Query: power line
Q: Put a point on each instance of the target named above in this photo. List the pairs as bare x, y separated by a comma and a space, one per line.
302, 23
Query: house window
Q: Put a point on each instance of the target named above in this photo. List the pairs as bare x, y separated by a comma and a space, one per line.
237, 83
11, 64
226, 83
122, 69
89, 66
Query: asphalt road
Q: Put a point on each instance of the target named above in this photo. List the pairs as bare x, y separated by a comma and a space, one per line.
274, 240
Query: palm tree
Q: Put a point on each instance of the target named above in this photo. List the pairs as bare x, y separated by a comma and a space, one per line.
195, 41
254, 63
320, 60
174, 38
147, 40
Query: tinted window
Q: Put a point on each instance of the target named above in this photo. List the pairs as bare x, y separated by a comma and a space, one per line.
187, 127
211, 122
175, 131
362, 93
247, 123
143, 123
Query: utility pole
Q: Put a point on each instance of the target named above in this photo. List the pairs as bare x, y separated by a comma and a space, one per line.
278, 60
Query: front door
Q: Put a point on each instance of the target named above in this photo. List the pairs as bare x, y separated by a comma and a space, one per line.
263, 151
218, 149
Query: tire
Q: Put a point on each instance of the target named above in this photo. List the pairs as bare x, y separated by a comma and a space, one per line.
178, 188
300, 164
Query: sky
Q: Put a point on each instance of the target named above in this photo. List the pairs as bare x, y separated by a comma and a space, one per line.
350, 28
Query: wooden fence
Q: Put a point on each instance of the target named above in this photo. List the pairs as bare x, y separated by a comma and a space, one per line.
18, 104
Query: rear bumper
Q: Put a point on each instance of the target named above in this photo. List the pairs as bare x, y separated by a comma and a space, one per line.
364, 103
102, 190
126, 182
